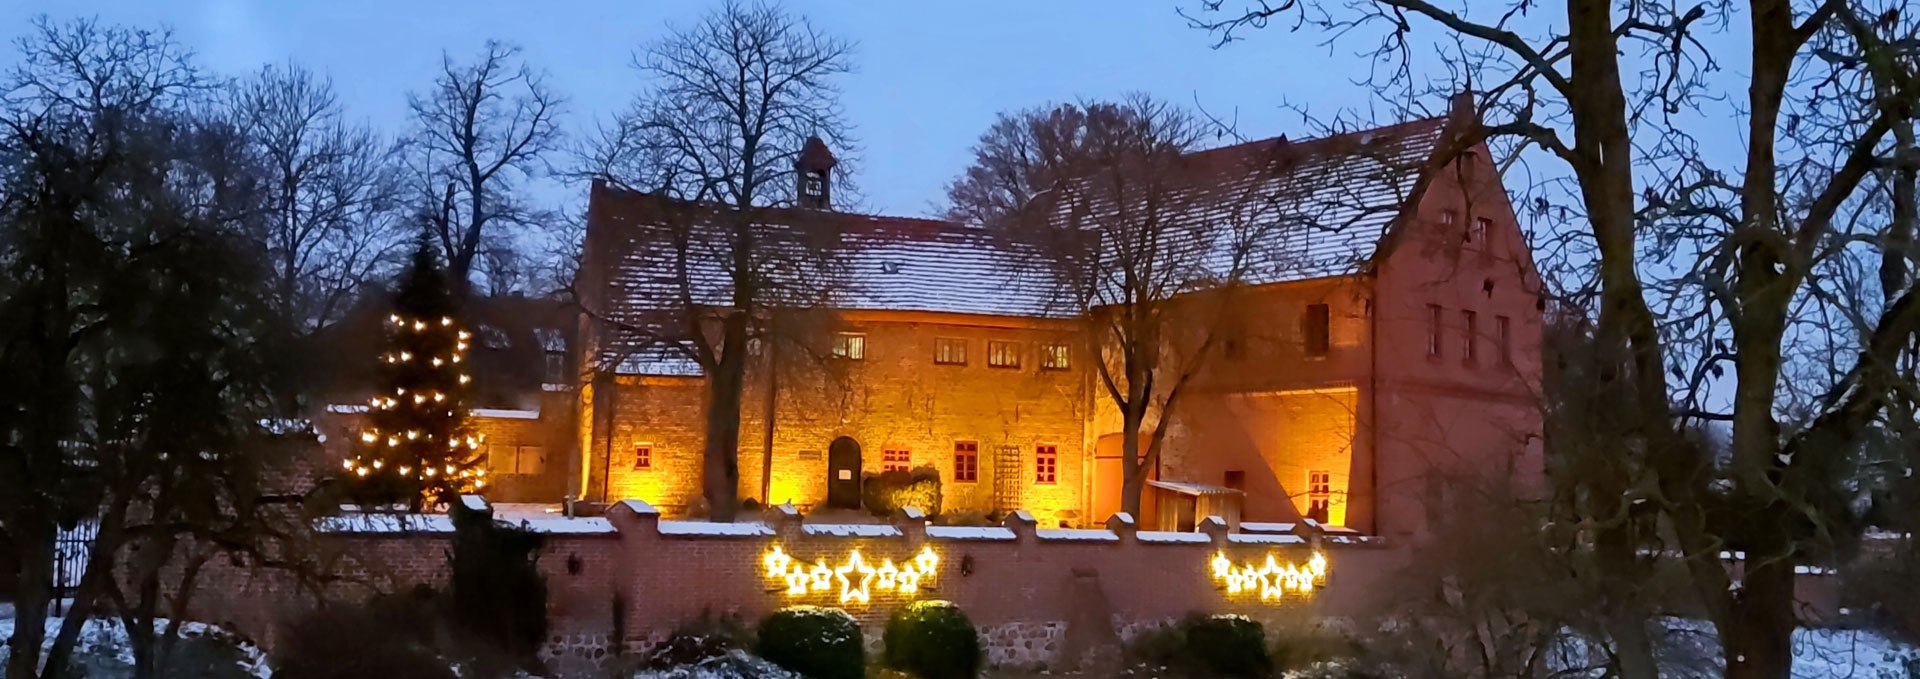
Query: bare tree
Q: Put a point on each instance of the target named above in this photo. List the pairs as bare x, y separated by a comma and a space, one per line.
134, 328
1701, 261
1109, 204
731, 103
332, 188
480, 133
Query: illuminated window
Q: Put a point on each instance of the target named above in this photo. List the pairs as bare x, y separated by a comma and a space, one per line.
966, 461
643, 456
1053, 357
1470, 323
1317, 329
1003, 354
850, 346
1319, 495
895, 460
1433, 330
949, 351
1477, 234
1503, 336
1046, 464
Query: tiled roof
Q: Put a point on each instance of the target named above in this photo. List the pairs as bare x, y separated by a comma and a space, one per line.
1323, 206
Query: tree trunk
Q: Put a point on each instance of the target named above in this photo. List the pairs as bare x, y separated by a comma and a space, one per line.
1756, 635
35, 541
1133, 475
724, 385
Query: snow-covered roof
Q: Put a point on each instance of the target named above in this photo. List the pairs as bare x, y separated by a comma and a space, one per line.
1303, 209
1190, 488
1262, 539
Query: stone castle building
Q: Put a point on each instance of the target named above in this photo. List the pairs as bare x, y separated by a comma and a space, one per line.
1382, 355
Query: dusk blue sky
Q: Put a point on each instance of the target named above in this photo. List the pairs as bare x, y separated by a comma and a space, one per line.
930, 76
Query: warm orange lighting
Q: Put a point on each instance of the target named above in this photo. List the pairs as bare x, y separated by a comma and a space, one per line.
857, 577
1270, 581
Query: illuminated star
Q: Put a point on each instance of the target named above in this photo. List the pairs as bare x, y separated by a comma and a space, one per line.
777, 562
821, 576
926, 561
854, 565
889, 575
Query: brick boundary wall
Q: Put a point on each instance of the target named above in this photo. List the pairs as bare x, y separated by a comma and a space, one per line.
1040, 598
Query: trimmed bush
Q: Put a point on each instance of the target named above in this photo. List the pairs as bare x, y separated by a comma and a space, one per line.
822, 643
887, 492
932, 640
1228, 645
706, 637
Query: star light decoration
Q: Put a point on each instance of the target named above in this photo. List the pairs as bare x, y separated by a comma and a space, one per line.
430, 402
1270, 581
856, 577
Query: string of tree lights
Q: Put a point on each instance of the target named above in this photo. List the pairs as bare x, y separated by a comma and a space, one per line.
416, 447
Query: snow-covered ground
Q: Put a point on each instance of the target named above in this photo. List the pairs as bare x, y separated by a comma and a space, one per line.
105, 648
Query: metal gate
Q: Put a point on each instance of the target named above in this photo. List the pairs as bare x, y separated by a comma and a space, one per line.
1006, 479
71, 547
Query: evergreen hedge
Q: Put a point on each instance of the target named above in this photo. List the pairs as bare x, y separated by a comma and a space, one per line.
821, 643
932, 640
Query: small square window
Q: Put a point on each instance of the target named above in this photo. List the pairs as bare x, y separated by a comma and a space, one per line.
1002, 354
643, 456
949, 351
895, 460
1046, 463
1235, 479
1053, 357
966, 461
850, 346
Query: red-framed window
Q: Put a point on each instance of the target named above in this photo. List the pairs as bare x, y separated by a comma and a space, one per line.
895, 459
966, 461
1319, 495
642, 456
1046, 463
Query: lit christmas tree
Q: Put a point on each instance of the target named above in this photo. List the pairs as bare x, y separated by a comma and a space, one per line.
416, 448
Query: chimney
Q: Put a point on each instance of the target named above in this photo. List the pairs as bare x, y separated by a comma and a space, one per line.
813, 171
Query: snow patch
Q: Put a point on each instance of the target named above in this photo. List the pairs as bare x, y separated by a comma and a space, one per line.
1095, 535
714, 529
1173, 537
1258, 539
852, 530
969, 533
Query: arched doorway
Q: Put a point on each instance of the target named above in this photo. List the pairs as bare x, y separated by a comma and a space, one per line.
843, 473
